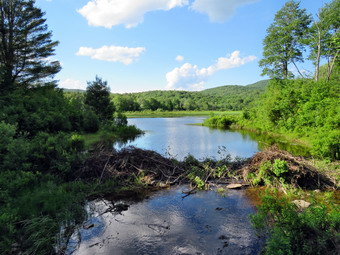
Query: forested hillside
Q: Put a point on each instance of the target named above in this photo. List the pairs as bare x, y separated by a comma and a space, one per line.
229, 97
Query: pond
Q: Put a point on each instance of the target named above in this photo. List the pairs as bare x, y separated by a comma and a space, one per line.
174, 137
165, 223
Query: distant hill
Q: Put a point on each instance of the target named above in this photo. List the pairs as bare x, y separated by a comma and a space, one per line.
236, 89
228, 97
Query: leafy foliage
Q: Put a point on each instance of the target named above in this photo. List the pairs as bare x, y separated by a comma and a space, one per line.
283, 44
324, 39
303, 108
224, 121
313, 231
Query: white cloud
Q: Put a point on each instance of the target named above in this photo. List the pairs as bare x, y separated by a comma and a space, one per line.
108, 13
179, 58
124, 55
218, 10
72, 84
191, 77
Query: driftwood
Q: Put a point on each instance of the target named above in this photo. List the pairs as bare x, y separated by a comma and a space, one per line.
149, 166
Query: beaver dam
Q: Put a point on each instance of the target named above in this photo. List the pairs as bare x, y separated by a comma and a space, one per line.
154, 170
193, 211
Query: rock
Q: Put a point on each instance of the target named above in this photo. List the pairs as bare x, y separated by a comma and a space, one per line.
301, 204
234, 186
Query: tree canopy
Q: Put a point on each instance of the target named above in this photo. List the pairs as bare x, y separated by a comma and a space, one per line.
284, 42
325, 38
26, 45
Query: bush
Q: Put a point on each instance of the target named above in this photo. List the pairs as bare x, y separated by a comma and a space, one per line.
220, 121
301, 108
313, 231
120, 119
91, 122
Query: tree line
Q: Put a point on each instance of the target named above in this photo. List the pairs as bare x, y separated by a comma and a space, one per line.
224, 98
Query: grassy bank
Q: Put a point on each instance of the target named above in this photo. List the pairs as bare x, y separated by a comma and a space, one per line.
123, 133
164, 114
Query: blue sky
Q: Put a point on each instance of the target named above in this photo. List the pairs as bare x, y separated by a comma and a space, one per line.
141, 45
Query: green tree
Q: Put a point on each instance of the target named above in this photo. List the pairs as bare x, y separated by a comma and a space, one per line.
325, 38
98, 98
25, 45
284, 42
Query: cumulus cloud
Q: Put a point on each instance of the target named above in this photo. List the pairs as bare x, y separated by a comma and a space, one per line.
124, 55
108, 13
218, 10
192, 77
179, 58
72, 84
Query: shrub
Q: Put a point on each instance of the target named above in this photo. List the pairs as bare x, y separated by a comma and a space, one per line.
91, 122
313, 231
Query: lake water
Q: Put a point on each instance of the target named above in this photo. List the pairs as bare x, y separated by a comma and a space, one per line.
166, 223
174, 137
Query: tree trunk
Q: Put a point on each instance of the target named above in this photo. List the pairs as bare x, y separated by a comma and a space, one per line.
331, 65
318, 55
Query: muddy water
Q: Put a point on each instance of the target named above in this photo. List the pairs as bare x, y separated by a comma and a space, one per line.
166, 223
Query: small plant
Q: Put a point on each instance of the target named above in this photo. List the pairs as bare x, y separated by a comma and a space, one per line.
219, 171
271, 174
279, 167
199, 183
77, 142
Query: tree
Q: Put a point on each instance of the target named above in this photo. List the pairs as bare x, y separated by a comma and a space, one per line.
284, 42
98, 98
325, 38
25, 45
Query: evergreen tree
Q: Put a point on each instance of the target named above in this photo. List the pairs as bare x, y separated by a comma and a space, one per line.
98, 98
284, 42
25, 45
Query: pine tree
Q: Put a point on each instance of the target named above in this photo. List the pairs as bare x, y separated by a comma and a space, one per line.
98, 98
26, 45
284, 42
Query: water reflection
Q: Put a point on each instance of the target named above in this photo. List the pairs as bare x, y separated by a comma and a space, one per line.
173, 137
203, 223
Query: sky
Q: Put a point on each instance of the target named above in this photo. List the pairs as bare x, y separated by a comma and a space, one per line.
142, 45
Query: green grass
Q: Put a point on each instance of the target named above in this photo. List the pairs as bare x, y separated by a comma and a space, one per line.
164, 114
91, 139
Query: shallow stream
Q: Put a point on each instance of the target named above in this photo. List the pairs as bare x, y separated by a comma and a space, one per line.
207, 222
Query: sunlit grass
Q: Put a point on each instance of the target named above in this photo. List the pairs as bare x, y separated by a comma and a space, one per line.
159, 114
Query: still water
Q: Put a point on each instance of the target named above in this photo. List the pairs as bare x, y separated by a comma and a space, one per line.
166, 223
174, 137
